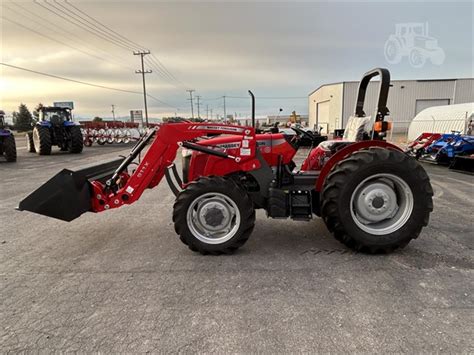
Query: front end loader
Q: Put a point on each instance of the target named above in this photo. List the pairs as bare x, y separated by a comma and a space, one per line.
372, 196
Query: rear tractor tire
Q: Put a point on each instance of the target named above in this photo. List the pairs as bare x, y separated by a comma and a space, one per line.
30, 145
9, 148
42, 140
76, 142
214, 215
377, 200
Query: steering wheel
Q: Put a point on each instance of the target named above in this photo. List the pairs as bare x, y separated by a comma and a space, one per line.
302, 132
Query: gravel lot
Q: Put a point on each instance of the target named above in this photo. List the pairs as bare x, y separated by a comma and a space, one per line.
121, 281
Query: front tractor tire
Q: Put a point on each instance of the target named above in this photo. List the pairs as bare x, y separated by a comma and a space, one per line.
9, 148
76, 141
42, 140
377, 200
214, 215
30, 145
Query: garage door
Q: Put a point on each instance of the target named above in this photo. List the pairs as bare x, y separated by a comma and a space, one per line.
422, 104
323, 115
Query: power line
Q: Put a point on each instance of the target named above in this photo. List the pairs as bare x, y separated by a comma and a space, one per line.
78, 23
77, 40
106, 27
159, 72
118, 39
50, 38
170, 74
89, 24
68, 79
85, 83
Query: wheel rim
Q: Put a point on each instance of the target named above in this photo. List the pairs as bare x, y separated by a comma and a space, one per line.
381, 204
213, 218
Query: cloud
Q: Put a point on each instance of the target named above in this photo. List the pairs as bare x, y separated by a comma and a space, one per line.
273, 48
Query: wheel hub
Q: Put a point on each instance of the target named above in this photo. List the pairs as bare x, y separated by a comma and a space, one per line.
214, 215
376, 202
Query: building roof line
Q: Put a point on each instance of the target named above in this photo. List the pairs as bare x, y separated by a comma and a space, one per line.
391, 81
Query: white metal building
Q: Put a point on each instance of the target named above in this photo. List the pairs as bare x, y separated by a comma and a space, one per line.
334, 103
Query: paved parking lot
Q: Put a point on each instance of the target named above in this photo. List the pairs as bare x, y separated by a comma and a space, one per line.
121, 281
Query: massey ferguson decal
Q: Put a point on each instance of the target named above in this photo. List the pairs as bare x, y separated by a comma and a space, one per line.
220, 128
229, 145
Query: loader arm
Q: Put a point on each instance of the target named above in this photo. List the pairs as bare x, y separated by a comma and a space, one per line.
120, 187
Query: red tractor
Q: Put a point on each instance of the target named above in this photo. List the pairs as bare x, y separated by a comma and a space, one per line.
372, 196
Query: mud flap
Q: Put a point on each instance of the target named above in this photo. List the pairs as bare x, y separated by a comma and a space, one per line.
67, 195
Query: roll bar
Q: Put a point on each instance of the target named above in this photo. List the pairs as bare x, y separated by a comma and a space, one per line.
384, 86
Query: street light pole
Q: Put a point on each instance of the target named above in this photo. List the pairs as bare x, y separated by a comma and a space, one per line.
143, 72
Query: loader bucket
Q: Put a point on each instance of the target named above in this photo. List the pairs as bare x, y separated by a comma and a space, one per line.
67, 195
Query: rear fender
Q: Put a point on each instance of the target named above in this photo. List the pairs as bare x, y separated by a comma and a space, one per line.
344, 152
69, 124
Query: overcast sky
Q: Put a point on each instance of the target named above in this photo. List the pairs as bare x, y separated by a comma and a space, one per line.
277, 49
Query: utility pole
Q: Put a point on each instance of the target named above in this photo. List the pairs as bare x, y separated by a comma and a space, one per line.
198, 104
113, 111
143, 72
225, 114
211, 114
191, 98
207, 112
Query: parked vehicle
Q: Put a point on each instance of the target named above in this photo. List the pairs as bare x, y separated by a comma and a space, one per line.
444, 150
55, 128
417, 148
7, 140
372, 196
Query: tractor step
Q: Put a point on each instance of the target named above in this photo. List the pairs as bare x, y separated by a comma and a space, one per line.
67, 195
300, 204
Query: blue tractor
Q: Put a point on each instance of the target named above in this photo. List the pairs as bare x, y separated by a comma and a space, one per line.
7, 140
55, 128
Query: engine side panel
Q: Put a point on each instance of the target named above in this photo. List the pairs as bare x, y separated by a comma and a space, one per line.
270, 146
